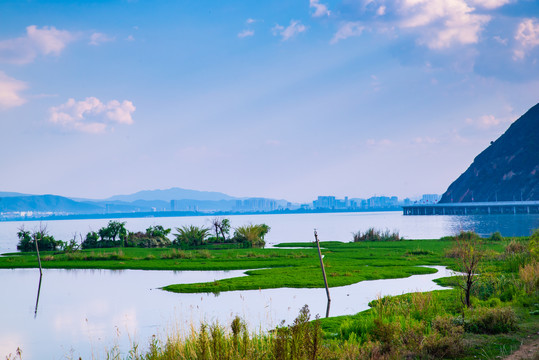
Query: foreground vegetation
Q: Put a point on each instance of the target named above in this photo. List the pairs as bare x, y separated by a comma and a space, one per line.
490, 309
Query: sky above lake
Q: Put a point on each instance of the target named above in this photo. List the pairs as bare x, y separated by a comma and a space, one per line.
281, 99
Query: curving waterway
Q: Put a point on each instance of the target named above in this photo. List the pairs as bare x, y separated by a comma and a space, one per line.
87, 312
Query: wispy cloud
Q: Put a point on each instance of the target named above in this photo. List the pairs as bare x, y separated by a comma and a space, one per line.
443, 23
527, 37
490, 4
488, 121
319, 9
91, 115
346, 30
100, 38
44, 41
380, 143
10, 90
246, 33
290, 31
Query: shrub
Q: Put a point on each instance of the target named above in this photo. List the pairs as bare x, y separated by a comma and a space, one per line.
534, 245
496, 236
91, 240
446, 339
376, 235
251, 235
45, 242
491, 320
147, 240
529, 275
190, 235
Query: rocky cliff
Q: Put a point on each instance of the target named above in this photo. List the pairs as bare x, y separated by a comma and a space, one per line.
505, 171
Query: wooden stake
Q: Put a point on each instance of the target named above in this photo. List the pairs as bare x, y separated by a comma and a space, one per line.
322, 266
38, 257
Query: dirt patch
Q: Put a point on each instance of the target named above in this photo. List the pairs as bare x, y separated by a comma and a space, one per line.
528, 351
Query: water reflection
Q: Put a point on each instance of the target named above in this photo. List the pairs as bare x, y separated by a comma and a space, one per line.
38, 292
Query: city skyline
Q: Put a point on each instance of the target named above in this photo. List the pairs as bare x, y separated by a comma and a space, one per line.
277, 100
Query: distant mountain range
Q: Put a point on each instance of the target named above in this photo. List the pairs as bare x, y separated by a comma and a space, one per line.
142, 201
507, 170
45, 203
172, 194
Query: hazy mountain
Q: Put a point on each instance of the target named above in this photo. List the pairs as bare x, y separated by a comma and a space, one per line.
46, 203
11, 194
172, 194
505, 171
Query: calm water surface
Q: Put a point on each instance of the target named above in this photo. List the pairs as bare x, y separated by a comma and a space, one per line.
87, 312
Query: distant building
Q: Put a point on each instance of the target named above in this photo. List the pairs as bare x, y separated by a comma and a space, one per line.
324, 202
430, 198
256, 204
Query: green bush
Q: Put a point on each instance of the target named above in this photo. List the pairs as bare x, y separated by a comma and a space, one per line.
446, 339
45, 242
491, 320
147, 240
251, 235
496, 236
373, 234
191, 236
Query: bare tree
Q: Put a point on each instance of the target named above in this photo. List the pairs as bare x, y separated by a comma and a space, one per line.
469, 251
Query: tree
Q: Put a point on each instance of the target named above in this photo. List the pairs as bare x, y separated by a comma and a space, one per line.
157, 231
221, 226
112, 230
91, 241
470, 251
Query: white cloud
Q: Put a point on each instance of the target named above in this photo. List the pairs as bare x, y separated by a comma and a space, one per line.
319, 9
488, 121
100, 38
346, 30
527, 37
45, 41
290, 31
246, 33
381, 10
443, 23
91, 115
490, 4
251, 21
10, 91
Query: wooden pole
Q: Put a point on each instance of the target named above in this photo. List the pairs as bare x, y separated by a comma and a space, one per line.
322, 266
38, 257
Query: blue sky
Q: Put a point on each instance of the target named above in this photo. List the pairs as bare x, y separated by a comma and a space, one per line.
282, 99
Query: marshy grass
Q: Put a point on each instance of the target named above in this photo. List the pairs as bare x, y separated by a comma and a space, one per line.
373, 234
301, 340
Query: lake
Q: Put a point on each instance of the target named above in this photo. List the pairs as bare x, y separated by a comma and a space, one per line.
87, 312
